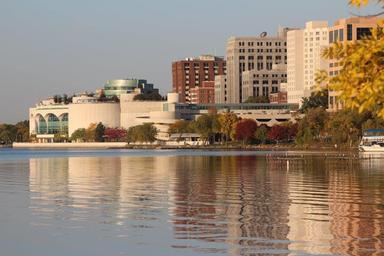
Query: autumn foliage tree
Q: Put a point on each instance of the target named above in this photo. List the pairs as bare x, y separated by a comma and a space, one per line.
245, 130
283, 132
115, 134
360, 82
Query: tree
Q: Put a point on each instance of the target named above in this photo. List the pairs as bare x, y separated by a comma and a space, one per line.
206, 126
227, 122
283, 132
78, 135
360, 80
60, 137
344, 127
57, 99
317, 99
245, 130
180, 126
257, 99
152, 96
8, 133
311, 126
278, 133
22, 131
90, 133
261, 134
99, 132
115, 134
142, 133
373, 123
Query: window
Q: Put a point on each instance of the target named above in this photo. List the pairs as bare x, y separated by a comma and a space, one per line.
349, 32
363, 32
341, 34
331, 37
336, 35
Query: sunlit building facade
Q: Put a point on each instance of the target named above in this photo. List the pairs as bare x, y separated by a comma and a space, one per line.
346, 31
305, 47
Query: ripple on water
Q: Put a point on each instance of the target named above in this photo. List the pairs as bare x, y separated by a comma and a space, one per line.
241, 204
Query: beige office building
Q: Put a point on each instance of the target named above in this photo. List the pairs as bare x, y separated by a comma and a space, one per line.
221, 91
305, 48
252, 53
347, 31
262, 83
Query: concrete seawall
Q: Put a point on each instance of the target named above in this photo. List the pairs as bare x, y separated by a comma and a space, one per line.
91, 145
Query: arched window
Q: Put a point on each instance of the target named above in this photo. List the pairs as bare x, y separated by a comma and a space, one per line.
41, 125
64, 123
53, 124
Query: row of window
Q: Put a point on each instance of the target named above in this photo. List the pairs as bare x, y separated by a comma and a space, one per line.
268, 75
338, 34
262, 43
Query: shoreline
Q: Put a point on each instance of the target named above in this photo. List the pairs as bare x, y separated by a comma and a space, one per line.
124, 145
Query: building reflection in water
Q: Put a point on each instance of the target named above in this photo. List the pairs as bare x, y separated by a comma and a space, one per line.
232, 200
240, 205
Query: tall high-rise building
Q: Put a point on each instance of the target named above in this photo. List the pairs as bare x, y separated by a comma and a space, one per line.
252, 53
347, 31
305, 48
192, 72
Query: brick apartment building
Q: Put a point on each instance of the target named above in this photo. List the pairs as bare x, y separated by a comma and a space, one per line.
204, 94
192, 72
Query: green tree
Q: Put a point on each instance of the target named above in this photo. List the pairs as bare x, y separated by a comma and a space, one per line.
152, 96
60, 137
311, 126
317, 99
207, 126
22, 131
344, 127
99, 132
261, 134
78, 135
142, 133
8, 133
373, 123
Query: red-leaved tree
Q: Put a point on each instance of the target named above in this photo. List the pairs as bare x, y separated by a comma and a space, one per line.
278, 133
282, 132
115, 134
245, 130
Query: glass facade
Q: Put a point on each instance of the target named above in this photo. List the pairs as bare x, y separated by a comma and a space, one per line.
118, 87
241, 106
51, 124
41, 125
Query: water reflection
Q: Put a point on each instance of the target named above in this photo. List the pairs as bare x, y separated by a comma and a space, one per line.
236, 205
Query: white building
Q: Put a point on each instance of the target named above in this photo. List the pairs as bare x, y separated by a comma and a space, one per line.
49, 119
252, 53
304, 49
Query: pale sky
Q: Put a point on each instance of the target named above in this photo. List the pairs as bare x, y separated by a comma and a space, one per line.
52, 47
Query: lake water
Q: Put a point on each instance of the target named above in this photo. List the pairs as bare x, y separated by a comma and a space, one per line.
122, 202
